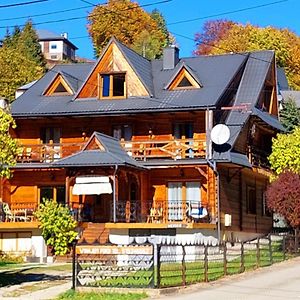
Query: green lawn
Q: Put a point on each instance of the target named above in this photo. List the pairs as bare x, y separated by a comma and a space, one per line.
101, 296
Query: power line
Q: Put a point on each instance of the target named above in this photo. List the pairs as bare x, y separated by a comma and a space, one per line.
22, 3
46, 14
227, 12
83, 17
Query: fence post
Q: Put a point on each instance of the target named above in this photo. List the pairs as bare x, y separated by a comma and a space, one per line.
284, 247
206, 263
270, 250
74, 262
156, 265
242, 269
257, 254
183, 266
225, 258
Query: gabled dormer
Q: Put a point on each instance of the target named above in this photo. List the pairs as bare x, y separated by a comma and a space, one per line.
58, 87
183, 79
119, 73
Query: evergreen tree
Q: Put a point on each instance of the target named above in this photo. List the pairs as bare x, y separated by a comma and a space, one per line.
29, 43
21, 60
290, 115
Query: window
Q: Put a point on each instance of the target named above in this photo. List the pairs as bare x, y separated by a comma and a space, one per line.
184, 83
184, 80
112, 85
265, 210
58, 87
122, 132
57, 193
251, 200
176, 194
53, 46
50, 135
183, 130
53, 56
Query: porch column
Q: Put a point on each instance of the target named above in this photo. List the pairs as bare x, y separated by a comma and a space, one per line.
115, 194
67, 191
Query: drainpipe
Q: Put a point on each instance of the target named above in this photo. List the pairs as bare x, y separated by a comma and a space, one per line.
213, 164
114, 195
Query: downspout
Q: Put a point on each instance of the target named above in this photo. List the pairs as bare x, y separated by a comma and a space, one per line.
114, 195
213, 165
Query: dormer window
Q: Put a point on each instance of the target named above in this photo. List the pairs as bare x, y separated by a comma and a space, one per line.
112, 85
183, 81
58, 87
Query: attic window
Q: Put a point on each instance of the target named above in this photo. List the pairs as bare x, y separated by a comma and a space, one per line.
58, 87
184, 83
183, 80
112, 85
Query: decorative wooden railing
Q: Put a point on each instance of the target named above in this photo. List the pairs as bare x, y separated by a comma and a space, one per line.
162, 147
46, 153
140, 147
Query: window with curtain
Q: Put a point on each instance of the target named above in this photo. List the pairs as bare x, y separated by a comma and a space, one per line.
175, 201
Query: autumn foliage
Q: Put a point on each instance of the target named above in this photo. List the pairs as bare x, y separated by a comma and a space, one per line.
283, 197
223, 36
130, 24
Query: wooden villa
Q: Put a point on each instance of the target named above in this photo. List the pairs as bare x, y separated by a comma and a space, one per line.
126, 144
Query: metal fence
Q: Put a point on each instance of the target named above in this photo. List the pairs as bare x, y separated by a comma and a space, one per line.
173, 264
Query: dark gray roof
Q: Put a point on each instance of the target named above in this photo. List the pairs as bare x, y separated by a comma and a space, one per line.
282, 80
140, 64
215, 72
113, 155
250, 87
27, 85
46, 35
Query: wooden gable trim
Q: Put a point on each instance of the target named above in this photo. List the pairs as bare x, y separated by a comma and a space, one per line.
51, 90
183, 73
113, 61
94, 144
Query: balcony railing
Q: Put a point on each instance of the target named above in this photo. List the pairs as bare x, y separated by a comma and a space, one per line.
258, 157
162, 211
46, 153
162, 147
140, 147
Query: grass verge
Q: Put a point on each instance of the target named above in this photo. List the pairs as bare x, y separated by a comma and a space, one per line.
101, 296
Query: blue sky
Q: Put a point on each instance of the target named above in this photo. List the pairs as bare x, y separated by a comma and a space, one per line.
281, 14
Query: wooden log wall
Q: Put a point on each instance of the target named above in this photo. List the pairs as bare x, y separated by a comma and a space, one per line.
79, 129
233, 199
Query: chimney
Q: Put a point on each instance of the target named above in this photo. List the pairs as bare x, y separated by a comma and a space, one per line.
65, 35
170, 57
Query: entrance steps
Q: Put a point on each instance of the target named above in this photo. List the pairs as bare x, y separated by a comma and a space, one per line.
94, 233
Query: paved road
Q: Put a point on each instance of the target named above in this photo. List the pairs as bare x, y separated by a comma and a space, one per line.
280, 281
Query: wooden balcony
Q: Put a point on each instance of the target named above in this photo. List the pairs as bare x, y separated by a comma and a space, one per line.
140, 148
165, 147
258, 157
46, 153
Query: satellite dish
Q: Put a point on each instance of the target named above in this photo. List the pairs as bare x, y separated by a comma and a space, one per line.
220, 134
